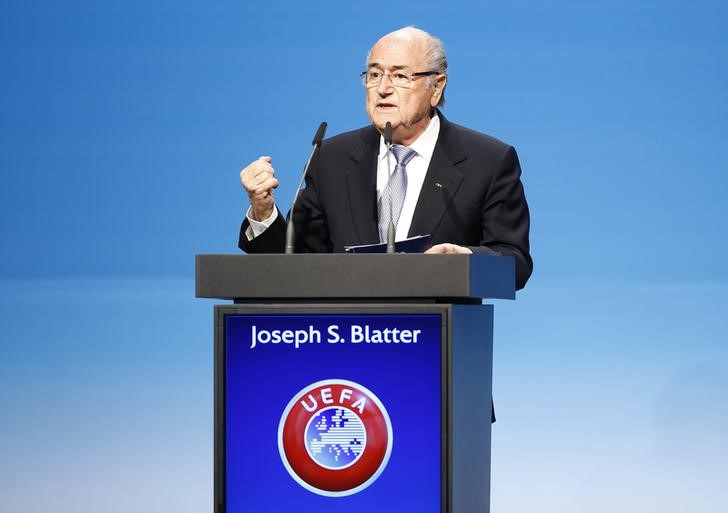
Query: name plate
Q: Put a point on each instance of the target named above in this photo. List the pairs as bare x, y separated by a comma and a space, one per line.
331, 411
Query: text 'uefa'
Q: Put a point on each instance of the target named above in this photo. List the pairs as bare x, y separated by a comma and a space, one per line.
355, 335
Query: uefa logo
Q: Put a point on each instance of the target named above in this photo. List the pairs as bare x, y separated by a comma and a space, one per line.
335, 437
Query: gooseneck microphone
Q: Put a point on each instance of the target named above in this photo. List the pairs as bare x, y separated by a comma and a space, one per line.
290, 230
391, 229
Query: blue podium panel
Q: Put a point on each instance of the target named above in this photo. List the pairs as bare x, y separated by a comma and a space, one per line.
328, 408
356, 408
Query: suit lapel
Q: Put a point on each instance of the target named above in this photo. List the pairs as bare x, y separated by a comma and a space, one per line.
441, 181
361, 181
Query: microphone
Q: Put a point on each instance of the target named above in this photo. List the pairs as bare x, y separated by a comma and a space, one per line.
317, 139
391, 230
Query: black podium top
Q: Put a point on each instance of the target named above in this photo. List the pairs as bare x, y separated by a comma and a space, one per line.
451, 278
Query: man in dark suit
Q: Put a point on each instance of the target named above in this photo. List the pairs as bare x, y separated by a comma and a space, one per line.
460, 186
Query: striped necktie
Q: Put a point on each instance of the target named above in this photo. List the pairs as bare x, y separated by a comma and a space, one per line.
397, 184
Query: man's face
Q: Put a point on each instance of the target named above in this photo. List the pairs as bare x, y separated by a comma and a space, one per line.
407, 109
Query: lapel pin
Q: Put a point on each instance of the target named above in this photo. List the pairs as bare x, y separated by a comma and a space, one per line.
438, 185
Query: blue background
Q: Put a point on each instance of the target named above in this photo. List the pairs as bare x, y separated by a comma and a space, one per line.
261, 381
123, 126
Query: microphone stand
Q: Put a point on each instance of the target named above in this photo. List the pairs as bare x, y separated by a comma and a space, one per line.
391, 229
290, 230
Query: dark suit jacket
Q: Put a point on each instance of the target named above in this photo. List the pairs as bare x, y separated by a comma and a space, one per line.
472, 196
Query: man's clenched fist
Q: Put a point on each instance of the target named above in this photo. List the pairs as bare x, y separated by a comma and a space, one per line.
259, 180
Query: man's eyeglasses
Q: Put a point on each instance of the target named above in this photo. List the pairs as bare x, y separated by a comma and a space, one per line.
373, 77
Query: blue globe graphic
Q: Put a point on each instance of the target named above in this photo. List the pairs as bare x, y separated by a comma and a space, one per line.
335, 437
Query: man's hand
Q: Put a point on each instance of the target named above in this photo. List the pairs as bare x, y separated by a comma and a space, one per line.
441, 249
259, 180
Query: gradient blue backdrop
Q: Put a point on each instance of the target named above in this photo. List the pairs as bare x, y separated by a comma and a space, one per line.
123, 126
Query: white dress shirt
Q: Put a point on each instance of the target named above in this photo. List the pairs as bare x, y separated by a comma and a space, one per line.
416, 171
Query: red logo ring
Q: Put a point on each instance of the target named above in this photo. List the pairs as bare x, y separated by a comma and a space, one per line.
295, 452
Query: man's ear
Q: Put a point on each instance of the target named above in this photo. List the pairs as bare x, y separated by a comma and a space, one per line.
437, 89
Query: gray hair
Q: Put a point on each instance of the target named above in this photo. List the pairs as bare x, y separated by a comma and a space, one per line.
437, 61
435, 54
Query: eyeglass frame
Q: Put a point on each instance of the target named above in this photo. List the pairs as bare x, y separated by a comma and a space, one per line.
410, 76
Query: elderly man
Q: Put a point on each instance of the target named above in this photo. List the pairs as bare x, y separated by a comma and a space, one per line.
461, 187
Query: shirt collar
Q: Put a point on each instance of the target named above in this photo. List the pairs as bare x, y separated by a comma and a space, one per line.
425, 143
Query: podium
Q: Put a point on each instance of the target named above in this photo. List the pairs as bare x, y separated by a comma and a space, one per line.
353, 383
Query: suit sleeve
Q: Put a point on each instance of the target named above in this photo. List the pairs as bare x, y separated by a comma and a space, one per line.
272, 240
505, 218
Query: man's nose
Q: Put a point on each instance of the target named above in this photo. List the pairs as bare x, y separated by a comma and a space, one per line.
385, 87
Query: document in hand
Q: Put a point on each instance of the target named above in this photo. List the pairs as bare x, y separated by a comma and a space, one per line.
417, 244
